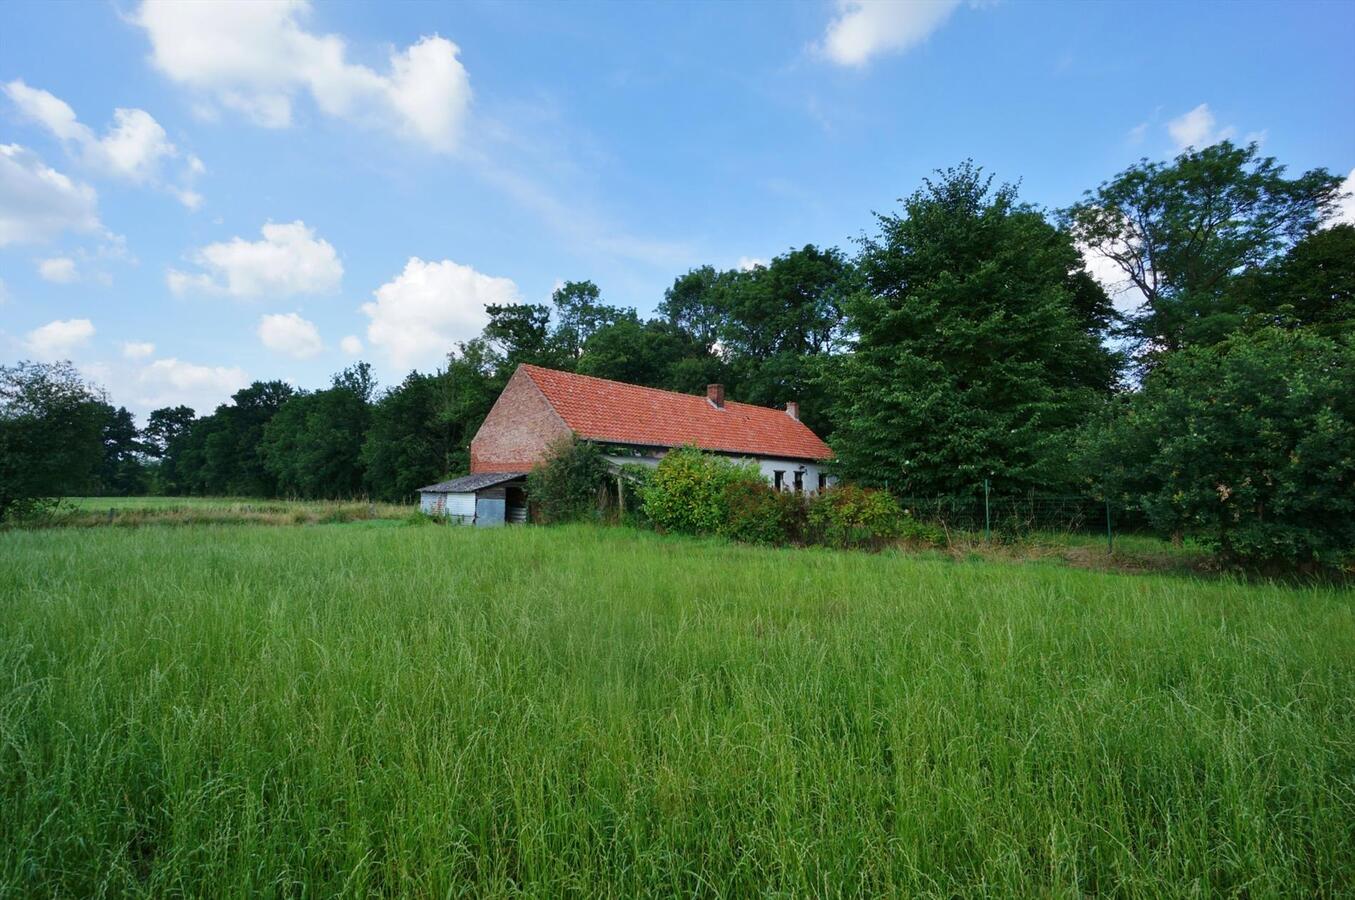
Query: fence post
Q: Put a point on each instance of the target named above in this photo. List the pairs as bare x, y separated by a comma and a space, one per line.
110, 515
987, 519
1110, 534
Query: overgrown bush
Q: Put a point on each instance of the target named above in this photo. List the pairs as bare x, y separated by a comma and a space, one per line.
687, 492
757, 514
849, 516
1248, 446
567, 487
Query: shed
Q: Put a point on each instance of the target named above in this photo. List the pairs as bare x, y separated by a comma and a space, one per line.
485, 499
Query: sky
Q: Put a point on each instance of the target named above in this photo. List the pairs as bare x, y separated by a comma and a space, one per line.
194, 196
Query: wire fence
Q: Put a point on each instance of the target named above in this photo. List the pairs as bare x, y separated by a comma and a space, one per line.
1011, 516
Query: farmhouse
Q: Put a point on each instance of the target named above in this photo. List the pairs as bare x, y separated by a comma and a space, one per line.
633, 424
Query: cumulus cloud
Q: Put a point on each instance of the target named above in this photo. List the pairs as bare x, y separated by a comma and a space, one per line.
167, 382
59, 339
289, 260
421, 313
37, 202
351, 344
134, 148
291, 335
749, 263
1198, 128
58, 270
137, 349
255, 58
1344, 214
863, 29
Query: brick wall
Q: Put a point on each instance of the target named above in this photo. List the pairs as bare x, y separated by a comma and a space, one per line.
517, 431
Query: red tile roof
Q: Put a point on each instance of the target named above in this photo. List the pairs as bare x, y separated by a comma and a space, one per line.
613, 411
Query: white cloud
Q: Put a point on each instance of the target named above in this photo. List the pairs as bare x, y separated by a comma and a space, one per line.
1124, 294
37, 202
291, 335
749, 263
137, 349
256, 57
135, 147
423, 311
1198, 128
48, 110
1138, 133
352, 345
1344, 214
59, 339
58, 270
866, 28
289, 260
171, 381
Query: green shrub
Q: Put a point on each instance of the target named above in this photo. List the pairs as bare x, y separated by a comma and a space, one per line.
851, 516
686, 493
757, 514
1247, 446
568, 485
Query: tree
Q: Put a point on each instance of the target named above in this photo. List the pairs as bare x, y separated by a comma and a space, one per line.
164, 426
580, 313
219, 454
123, 470
1313, 285
650, 353
971, 358
50, 435
693, 305
522, 334
410, 441
313, 445
1249, 445
1181, 231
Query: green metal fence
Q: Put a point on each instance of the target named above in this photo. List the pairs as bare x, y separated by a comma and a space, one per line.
1006, 516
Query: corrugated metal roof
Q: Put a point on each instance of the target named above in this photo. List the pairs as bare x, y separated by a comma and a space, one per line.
469, 483
611, 411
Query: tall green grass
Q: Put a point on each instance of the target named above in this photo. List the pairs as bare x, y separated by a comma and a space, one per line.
577, 711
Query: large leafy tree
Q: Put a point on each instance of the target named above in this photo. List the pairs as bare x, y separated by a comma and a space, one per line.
313, 445
1180, 232
418, 433
973, 357
1313, 285
693, 305
781, 322
654, 353
580, 312
1249, 445
50, 435
219, 454
123, 470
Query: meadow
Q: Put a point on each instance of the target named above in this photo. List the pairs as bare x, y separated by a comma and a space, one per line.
384, 708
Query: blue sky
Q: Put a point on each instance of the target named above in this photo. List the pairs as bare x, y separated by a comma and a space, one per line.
196, 195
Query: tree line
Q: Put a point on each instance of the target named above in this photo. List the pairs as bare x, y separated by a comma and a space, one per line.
963, 340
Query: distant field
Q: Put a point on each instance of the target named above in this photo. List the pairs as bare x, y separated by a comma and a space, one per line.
551, 711
91, 511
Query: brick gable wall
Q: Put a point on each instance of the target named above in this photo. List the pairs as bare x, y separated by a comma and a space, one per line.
518, 430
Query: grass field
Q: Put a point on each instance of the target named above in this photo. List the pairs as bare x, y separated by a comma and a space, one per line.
380, 708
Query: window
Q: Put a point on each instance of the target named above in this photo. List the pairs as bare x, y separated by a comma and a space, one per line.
800, 482
779, 479
823, 481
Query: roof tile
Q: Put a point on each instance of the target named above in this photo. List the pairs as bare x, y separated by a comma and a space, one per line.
603, 410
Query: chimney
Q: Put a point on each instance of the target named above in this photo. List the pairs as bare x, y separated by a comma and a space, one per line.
715, 393
793, 410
